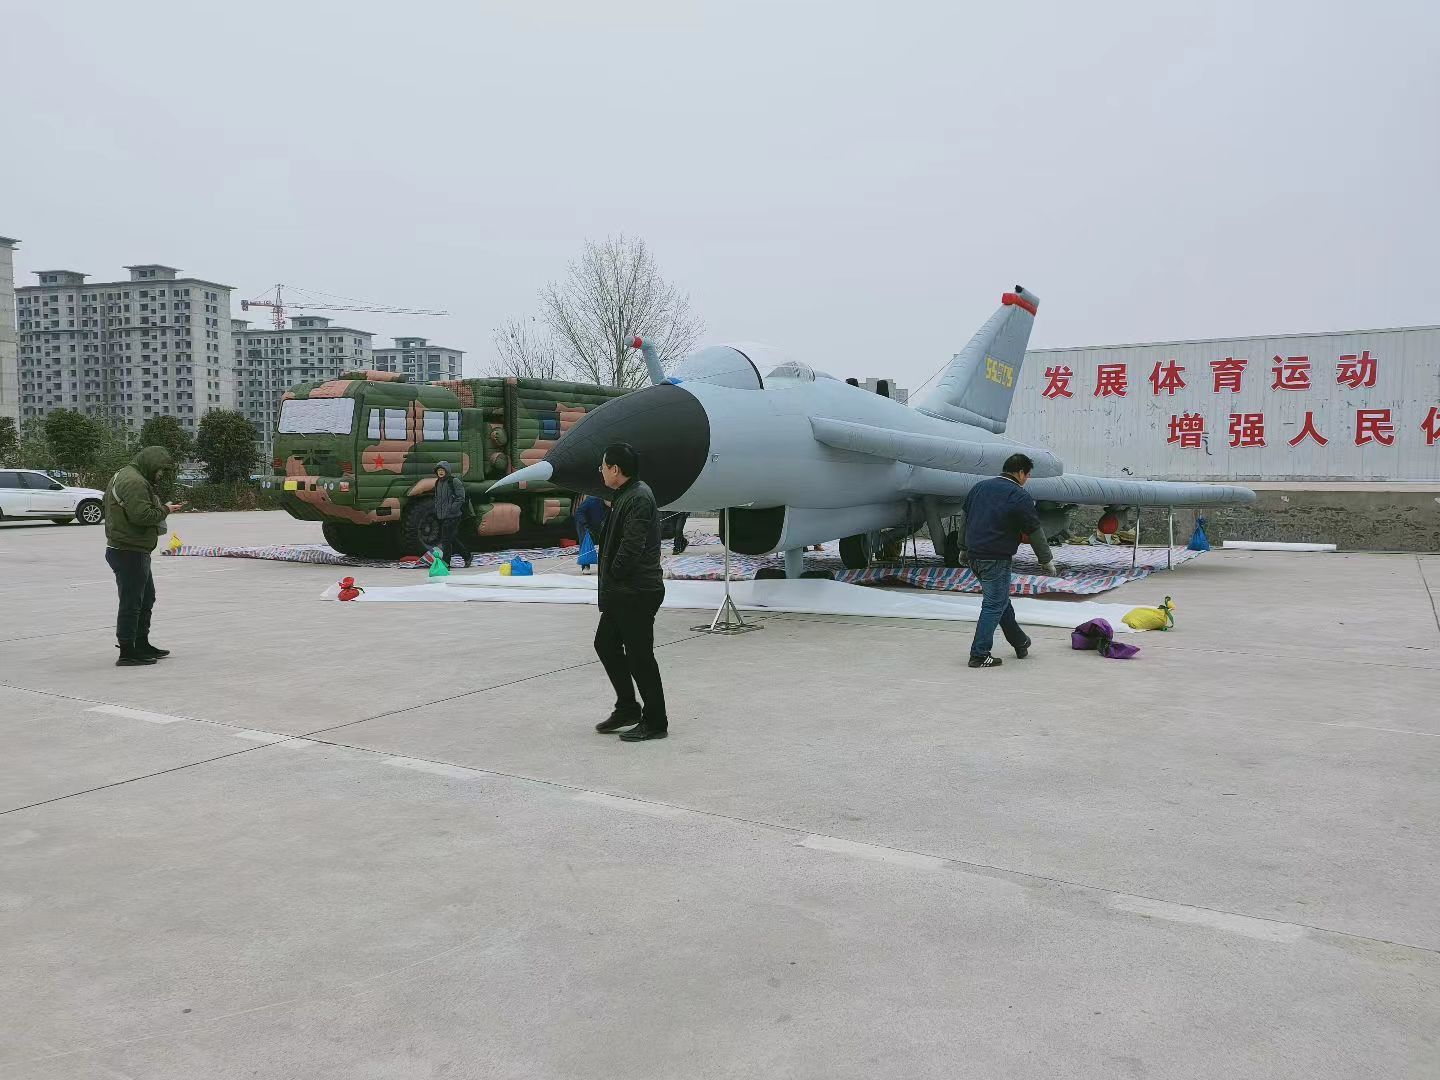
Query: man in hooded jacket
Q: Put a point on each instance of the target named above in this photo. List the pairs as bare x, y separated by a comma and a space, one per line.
134, 523
450, 505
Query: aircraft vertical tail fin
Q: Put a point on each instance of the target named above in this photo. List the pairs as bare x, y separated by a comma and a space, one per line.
980, 382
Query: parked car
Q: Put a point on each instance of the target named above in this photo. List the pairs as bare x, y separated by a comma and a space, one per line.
25, 493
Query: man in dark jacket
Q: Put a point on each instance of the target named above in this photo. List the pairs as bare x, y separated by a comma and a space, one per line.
997, 513
590, 518
631, 590
450, 505
134, 523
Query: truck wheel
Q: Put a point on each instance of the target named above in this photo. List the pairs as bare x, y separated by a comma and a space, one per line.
855, 552
419, 527
346, 539
361, 541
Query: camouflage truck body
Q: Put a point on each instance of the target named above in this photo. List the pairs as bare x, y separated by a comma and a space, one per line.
358, 453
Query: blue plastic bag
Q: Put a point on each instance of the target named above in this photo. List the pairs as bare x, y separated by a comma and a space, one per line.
520, 568
589, 553
1198, 540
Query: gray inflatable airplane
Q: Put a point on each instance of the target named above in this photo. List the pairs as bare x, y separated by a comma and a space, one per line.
801, 457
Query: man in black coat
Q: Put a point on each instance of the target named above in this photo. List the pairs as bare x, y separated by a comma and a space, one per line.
631, 590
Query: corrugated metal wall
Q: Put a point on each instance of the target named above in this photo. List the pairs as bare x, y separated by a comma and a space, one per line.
1180, 419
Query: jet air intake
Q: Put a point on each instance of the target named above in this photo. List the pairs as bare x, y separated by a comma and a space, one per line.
665, 424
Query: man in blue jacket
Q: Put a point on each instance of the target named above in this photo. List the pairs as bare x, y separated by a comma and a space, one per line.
997, 513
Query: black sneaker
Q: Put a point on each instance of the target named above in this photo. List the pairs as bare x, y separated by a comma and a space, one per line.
642, 733
1022, 651
620, 718
985, 661
130, 657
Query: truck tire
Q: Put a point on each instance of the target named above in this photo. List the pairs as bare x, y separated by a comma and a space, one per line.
855, 552
361, 541
419, 527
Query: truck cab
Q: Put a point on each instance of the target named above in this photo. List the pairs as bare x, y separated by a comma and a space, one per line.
358, 454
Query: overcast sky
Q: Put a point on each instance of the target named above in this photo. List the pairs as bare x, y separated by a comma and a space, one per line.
856, 182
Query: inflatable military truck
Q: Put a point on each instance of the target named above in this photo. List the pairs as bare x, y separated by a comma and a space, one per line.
358, 454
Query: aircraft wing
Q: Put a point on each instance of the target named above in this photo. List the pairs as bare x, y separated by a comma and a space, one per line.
1088, 490
1104, 491
930, 452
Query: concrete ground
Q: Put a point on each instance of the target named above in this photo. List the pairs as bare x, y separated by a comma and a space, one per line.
382, 841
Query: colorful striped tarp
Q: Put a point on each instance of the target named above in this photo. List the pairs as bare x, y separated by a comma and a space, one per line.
1084, 570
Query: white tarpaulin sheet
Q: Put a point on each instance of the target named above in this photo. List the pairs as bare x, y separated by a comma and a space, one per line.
805, 596
317, 416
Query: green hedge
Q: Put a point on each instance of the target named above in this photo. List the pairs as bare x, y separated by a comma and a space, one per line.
243, 495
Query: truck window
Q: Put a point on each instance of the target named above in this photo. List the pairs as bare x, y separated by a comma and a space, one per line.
434, 426
373, 431
452, 421
317, 416
394, 424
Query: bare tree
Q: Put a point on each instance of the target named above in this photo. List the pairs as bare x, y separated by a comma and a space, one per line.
611, 294
528, 350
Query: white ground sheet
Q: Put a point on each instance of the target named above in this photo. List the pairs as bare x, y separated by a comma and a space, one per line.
805, 596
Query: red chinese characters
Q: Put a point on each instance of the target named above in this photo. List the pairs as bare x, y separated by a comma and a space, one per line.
1227, 373
1291, 373
1356, 371
1247, 429
1058, 384
1111, 380
1310, 430
1374, 425
1187, 429
1431, 426
1167, 377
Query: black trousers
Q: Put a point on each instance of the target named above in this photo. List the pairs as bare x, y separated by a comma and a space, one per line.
451, 542
137, 593
625, 643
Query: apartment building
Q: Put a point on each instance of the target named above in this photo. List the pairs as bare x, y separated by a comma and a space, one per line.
155, 344
269, 361
423, 362
9, 346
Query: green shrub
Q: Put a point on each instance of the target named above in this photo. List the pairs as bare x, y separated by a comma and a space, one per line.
239, 495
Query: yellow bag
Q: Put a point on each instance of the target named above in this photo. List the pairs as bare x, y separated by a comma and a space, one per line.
1151, 618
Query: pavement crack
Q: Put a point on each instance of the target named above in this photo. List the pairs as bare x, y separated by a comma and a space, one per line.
1435, 613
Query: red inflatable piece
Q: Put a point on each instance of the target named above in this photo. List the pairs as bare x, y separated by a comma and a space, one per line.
348, 589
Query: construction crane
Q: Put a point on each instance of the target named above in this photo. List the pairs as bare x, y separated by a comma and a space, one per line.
278, 305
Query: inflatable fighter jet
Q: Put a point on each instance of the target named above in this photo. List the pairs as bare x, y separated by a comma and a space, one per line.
801, 457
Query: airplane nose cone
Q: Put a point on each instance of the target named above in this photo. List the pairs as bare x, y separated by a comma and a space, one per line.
666, 424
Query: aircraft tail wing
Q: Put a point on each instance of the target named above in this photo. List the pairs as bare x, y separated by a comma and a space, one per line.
980, 382
928, 451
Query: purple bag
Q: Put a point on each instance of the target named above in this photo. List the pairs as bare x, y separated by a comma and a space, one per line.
1099, 634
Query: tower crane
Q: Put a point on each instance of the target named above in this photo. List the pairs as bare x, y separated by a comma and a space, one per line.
279, 306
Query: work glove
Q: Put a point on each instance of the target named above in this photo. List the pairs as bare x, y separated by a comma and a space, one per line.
1048, 569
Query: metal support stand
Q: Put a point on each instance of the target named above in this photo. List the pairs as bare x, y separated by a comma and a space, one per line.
728, 619
935, 525
1135, 551
1170, 551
